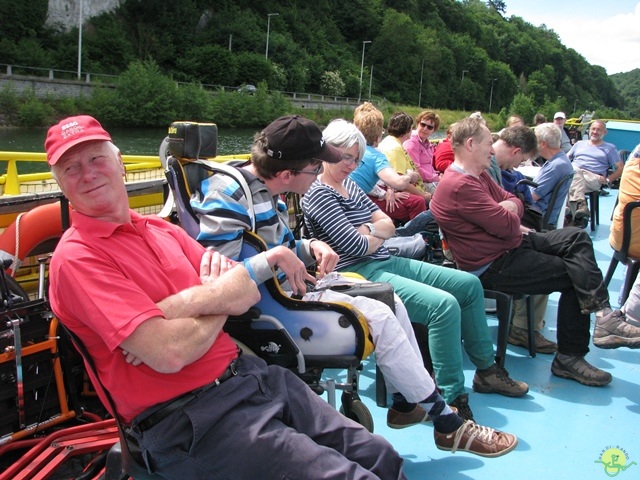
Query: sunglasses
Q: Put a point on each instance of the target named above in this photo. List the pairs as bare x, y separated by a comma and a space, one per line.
315, 171
426, 125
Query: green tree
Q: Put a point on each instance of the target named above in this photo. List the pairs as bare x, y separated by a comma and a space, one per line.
332, 84
22, 20
540, 85
143, 97
106, 46
33, 113
433, 39
397, 35
522, 105
193, 102
498, 5
253, 68
210, 64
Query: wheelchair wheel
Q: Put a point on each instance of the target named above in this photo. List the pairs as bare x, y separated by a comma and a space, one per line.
14, 289
359, 413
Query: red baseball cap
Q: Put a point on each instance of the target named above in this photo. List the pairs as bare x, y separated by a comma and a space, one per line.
70, 132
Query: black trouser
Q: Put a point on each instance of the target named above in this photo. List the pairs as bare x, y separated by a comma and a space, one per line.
556, 261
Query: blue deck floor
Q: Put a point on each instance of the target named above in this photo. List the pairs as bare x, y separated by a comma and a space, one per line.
564, 428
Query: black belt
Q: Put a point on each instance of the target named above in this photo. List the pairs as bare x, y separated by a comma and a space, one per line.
172, 405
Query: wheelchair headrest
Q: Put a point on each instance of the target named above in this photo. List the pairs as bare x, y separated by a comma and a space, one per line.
191, 140
177, 177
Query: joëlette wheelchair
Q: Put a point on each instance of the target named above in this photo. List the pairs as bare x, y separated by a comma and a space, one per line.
305, 336
33, 393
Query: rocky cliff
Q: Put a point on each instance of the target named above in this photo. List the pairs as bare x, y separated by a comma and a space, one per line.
67, 12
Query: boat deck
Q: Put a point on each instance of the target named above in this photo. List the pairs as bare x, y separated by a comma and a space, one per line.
564, 428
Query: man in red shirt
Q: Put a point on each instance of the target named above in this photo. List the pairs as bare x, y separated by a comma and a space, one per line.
481, 222
149, 303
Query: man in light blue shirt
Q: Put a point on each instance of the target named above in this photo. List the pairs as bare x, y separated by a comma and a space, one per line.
556, 167
591, 159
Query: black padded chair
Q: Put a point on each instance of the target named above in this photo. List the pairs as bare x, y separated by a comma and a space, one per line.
557, 190
124, 458
504, 305
622, 255
504, 312
556, 197
594, 208
624, 156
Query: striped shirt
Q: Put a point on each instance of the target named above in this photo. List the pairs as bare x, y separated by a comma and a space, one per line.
334, 219
222, 207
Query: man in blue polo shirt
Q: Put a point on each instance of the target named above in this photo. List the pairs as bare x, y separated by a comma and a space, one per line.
591, 159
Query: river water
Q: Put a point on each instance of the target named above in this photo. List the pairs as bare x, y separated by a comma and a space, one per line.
131, 141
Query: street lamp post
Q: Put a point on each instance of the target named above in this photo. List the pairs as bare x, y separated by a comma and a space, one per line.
420, 94
269, 15
80, 41
461, 89
491, 94
364, 42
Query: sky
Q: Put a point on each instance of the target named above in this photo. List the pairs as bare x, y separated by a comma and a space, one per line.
604, 32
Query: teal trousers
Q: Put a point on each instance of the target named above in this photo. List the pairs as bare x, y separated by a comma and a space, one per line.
450, 303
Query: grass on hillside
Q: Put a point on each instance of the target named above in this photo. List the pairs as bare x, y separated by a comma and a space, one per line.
447, 117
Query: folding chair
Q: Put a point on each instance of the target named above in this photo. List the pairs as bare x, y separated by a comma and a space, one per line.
622, 255
594, 208
124, 458
504, 304
560, 192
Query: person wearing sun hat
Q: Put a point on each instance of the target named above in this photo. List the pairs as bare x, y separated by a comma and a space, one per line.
559, 120
149, 303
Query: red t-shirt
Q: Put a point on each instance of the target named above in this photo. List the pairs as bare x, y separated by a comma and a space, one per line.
105, 280
443, 155
478, 230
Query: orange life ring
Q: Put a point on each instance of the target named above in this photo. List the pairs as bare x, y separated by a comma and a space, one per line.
30, 229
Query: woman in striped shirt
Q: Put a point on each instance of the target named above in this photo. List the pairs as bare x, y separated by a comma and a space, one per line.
449, 302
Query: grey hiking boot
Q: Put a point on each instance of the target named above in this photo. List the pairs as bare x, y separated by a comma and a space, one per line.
520, 337
582, 211
575, 367
495, 379
613, 331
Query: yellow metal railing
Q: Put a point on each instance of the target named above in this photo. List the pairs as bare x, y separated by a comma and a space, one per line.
12, 180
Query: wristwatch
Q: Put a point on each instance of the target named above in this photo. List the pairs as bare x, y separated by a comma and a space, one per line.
372, 228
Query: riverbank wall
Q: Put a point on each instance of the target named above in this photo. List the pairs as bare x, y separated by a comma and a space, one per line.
59, 87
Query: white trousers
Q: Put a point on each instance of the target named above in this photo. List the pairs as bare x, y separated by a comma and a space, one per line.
396, 348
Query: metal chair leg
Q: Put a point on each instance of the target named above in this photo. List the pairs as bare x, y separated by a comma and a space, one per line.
531, 326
